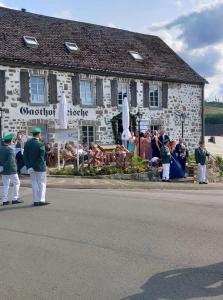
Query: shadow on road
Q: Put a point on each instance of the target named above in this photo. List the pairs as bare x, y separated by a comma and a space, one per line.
182, 284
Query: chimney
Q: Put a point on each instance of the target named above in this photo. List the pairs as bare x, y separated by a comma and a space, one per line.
23, 10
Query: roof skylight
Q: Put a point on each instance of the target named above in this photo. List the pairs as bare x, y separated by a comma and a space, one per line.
30, 41
136, 55
72, 47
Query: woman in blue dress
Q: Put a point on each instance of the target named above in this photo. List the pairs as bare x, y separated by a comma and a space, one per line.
176, 170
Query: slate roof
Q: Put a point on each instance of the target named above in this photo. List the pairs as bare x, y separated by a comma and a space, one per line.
102, 49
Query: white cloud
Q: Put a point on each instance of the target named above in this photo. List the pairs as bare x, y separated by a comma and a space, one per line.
65, 14
179, 3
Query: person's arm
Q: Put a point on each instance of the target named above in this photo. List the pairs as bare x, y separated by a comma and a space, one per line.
157, 142
25, 156
196, 155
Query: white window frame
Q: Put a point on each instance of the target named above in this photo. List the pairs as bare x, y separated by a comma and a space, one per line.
152, 89
136, 55
45, 90
88, 126
71, 47
123, 91
92, 93
30, 41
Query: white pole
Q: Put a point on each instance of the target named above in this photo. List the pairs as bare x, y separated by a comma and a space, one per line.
58, 155
78, 137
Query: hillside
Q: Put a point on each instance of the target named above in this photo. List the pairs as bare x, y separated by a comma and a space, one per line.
213, 113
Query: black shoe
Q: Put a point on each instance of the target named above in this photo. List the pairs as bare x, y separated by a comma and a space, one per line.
204, 182
36, 204
44, 203
200, 182
17, 201
6, 203
167, 180
163, 180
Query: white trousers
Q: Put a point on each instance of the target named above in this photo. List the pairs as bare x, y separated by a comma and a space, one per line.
6, 179
166, 171
38, 186
202, 173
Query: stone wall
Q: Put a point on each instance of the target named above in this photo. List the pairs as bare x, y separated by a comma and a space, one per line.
181, 97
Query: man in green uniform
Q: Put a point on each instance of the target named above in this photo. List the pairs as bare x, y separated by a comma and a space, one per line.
34, 159
165, 157
200, 156
9, 170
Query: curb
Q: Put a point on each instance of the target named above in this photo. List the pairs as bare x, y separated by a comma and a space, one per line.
168, 186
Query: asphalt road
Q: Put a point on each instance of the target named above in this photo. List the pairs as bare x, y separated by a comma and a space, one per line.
104, 244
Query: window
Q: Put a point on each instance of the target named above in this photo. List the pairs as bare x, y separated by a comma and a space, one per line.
136, 55
72, 47
38, 90
88, 135
122, 92
30, 41
154, 127
86, 93
153, 96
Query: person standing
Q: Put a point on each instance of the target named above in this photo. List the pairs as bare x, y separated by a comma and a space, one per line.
9, 170
34, 159
148, 147
182, 153
155, 145
165, 157
201, 155
162, 137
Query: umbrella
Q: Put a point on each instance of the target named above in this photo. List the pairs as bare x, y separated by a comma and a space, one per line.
125, 121
63, 120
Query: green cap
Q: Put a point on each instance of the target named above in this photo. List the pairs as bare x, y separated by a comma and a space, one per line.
166, 141
36, 130
8, 137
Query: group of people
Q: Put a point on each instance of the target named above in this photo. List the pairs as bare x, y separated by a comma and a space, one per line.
174, 160
33, 157
15, 153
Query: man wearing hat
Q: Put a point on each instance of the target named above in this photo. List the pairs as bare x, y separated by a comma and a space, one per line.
165, 157
200, 156
34, 159
9, 170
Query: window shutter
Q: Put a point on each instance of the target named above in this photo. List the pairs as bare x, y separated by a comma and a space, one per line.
99, 92
165, 95
114, 92
133, 89
145, 94
2, 86
52, 81
76, 90
24, 87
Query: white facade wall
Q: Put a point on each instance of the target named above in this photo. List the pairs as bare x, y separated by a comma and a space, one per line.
185, 98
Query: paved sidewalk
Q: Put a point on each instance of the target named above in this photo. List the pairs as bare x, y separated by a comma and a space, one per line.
91, 183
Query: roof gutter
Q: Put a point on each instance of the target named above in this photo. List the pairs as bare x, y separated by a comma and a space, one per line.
99, 72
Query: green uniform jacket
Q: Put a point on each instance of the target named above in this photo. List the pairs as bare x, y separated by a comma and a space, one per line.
200, 155
165, 155
34, 155
7, 160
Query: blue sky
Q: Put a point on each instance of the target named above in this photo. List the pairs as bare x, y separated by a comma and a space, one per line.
193, 28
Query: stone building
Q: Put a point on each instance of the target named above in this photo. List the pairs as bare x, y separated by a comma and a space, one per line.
41, 57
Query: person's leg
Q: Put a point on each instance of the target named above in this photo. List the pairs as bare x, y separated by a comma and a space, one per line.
200, 173
5, 188
167, 171
41, 179
164, 172
35, 187
204, 173
16, 186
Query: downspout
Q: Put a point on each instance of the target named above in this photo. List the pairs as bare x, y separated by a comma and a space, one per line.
202, 114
